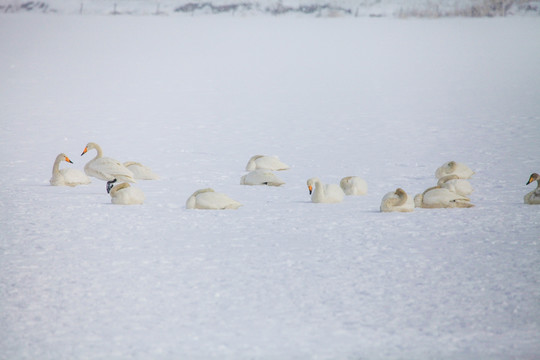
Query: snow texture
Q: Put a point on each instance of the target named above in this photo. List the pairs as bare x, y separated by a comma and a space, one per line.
280, 278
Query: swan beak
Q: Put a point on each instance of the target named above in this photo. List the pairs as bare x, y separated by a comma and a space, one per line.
310, 188
530, 180
69, 161
84, 151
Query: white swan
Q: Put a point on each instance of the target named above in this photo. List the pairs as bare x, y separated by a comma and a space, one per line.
125, 194
67, 177
461, 170
397, 201
455, 184
140, 171
208, 199
105, 168
324, 193
261, 177
437, 197
265, 162
533, 198
353, 185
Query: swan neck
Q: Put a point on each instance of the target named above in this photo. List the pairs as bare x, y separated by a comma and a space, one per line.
429, 189
402, 198
99, 151
319, 189
56, 166
447, 178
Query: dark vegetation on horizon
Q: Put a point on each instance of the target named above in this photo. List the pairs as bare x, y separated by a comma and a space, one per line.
478, 8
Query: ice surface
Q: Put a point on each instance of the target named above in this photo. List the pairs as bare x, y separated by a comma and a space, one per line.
280, 278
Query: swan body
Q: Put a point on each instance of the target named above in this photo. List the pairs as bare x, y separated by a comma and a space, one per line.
140, 171
324, 193
67, 177
105, 168
397, 201
261, 177
437, 197
455, 184
265, 162
533, 198
208, 199
125, 194
461, 170
353, 185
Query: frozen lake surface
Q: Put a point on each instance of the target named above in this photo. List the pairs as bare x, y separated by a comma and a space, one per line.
280, 278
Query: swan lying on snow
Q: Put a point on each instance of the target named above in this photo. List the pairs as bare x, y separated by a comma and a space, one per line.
437, 197
105, 168
462, 171
353, 185
210, 200
124, 194
140, 171
455, 184
261, 177
533, 198
67, 177
265, 162
397, 201
324, 193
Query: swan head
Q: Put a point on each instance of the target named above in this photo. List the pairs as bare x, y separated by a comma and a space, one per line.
310, 184
89, 146
65, 158
110, 185
533, 177
345, 181
400, 192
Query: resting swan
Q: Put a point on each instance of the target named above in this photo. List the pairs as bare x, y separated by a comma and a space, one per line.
437, 197
533, 198
265, 162
67, 177
353, 185
124, 194
261, 177
208, 199
105, 168
324, 193
397, 201
140, 171
461, 170
455, 184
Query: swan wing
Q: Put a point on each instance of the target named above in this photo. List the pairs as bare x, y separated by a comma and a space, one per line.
261, 177
140, 171
269, 163
74, 177
458, 186
216, 201
108, 169
532, 198
128, 196
353, 185
442, 197
333, 193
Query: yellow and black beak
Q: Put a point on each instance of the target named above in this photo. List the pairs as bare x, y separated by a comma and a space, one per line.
68, 160
531, 179
310, 188
84, 151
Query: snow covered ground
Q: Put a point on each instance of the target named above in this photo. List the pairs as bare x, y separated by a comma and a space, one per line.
280, 278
